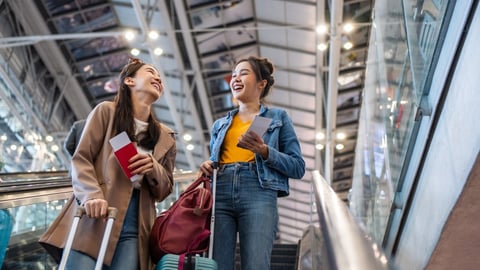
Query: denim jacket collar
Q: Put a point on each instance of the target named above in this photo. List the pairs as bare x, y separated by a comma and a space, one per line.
263, 109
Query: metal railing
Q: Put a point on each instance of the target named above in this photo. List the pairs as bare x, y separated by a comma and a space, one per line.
337, 242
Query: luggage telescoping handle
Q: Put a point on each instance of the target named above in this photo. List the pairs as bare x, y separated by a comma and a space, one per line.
212, 219
112, 214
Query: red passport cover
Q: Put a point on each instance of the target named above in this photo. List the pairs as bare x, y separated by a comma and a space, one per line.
123, 155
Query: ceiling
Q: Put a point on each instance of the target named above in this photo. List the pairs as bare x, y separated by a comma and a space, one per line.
62, 57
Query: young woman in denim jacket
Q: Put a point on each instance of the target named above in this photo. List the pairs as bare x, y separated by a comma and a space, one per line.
253, 170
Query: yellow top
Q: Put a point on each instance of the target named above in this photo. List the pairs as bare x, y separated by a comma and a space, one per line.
230, 152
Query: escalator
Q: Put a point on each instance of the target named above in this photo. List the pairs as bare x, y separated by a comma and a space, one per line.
34, 200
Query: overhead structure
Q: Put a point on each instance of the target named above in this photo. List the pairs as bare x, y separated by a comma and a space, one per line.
65, 57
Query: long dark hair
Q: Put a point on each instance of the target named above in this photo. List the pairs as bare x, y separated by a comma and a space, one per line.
124, 118
263, 69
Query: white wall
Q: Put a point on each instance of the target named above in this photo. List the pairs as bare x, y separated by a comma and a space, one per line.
455, 145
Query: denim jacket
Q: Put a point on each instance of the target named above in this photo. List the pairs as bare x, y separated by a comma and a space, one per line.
284, 154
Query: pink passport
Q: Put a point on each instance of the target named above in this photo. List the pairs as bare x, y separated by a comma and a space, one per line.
124, 149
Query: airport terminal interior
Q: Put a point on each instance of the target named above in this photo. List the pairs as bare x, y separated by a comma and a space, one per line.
382, 96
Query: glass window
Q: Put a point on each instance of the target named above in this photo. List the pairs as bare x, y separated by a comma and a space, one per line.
86, 48
87, 21
400, 55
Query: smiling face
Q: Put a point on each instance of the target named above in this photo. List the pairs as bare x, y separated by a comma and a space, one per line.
245, 85
146, 82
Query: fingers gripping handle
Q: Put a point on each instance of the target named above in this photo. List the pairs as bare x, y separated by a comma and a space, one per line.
111, 212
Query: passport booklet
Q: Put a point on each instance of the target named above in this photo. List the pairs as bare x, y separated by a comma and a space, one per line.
124, 149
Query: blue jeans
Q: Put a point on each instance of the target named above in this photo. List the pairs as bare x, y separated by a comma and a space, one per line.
243, 206
126, 252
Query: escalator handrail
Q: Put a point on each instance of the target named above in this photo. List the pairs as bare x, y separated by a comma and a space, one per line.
347, 245
21, 190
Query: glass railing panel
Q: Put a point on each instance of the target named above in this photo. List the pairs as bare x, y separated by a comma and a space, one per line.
423, 21
29, 222
403, 41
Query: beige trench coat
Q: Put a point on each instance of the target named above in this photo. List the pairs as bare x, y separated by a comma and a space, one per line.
97, 174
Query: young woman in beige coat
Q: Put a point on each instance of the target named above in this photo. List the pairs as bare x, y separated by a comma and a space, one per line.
99, 182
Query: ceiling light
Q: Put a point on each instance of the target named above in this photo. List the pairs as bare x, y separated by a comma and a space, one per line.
190, 147
320, 135
153, 35
319, 146
54, 148
347, 45
49, 138
129, 35
187, 137
339, 146
322, 29
341, 136
158, 51
322, 46
347, 28
3, 138
135, 52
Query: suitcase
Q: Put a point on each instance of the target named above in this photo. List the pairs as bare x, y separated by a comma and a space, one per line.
189, 261
112, 213
186, 262
6, 225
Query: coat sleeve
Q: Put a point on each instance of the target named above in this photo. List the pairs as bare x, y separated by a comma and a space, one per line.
85, 181
160, 180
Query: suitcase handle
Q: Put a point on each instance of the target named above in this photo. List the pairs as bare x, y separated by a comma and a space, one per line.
212, 217
111, 212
